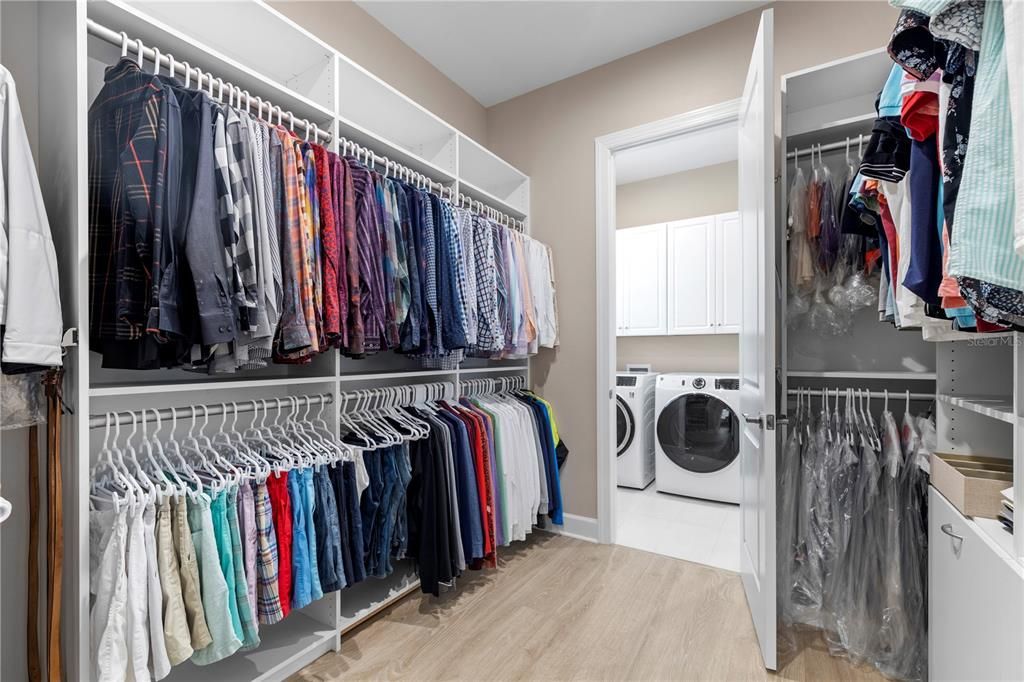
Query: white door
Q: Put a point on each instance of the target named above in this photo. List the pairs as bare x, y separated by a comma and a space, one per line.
691, 276
728, 270
643, 281
758, 341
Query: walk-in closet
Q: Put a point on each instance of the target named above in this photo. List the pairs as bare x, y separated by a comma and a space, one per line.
529, 340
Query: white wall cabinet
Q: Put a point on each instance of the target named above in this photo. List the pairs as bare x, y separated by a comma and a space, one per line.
679, 278
640, 276
691, 276
728, 242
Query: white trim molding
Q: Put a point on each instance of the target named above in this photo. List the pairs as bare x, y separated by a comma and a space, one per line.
605, 147
579, 527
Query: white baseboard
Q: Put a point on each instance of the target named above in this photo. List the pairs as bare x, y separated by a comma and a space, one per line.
579, 527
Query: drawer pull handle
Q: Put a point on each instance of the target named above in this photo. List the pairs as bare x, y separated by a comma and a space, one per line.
947, 528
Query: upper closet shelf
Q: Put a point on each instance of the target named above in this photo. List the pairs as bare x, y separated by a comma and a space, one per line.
490, 174
482, 195
837, 94
991, 406
368, 103
208, 385
866, 375
359, 134
295, 74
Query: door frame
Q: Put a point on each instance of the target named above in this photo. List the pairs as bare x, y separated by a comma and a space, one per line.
605, 148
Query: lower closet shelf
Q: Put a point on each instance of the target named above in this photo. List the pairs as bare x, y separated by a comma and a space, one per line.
364, 600
285, 648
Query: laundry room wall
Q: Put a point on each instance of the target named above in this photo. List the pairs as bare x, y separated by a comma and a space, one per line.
348, 28
689, 194
549, 134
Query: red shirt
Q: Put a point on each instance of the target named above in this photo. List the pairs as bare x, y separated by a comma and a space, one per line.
280, 503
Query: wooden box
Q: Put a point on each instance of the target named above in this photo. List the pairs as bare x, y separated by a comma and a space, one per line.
972, 483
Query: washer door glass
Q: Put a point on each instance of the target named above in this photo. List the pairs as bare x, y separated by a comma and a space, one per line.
625, 427
699, 432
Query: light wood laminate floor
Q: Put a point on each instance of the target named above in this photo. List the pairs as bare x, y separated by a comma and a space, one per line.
561, 609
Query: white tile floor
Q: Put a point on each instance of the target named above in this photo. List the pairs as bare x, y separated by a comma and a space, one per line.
701, 531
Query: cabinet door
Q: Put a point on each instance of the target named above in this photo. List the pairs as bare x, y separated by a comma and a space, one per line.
974, 601
643, 281
728, 273
691, 276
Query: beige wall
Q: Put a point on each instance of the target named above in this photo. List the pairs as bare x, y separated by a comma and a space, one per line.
549, 134
699, 192
693, 193
350, 30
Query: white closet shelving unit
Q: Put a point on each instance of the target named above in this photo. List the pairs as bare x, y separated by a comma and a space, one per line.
978, 387
59, 67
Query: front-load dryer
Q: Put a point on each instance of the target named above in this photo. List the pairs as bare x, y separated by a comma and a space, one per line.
697, 436
634, 417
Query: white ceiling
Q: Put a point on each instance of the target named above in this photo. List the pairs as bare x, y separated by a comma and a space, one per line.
500, 49
677, 154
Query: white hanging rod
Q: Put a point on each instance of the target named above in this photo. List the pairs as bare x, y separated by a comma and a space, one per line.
895, 395
397, 170
396, 396
249, 405
830, 147
483, 386
236, 96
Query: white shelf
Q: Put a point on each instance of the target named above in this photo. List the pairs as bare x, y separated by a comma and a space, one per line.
483, 169
313, 101
493, 370
400, 374
1002, 540
868, 375
991, 406
365, 600
491, 200
357, 133
285, 648
368, 102
211, 385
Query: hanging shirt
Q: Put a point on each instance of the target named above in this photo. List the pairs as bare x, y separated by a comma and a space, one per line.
29, 290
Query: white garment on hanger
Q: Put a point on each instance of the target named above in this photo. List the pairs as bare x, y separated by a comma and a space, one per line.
29, 287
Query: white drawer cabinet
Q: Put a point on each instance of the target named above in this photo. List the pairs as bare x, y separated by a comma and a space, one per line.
975, 601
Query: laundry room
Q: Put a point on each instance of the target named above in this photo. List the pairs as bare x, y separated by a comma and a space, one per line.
677, 254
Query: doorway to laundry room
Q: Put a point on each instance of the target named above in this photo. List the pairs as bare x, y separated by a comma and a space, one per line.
677, 318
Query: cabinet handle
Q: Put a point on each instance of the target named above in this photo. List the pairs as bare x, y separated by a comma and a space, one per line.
947, 528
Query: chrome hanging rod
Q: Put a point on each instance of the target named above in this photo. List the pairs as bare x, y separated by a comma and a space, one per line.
97, 421
830, 147
893, 395
235, 94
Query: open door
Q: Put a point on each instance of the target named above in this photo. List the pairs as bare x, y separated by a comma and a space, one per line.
759, 345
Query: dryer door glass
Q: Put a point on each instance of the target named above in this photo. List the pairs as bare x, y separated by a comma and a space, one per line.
625, 427
699, 432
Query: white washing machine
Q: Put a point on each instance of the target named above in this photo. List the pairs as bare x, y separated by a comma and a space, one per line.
634, 417
697, 436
